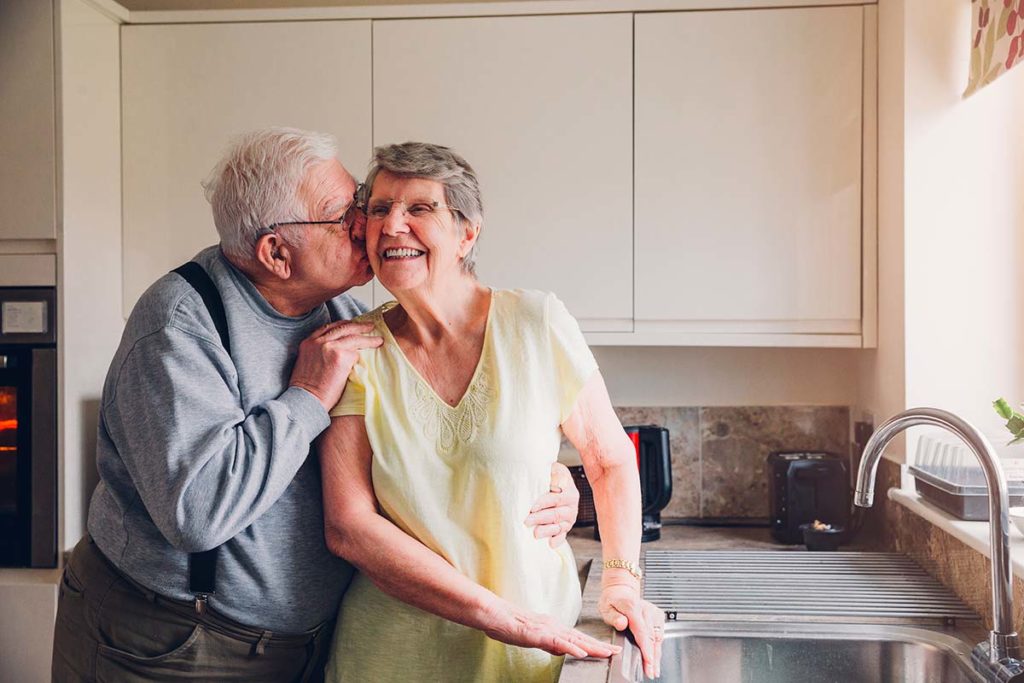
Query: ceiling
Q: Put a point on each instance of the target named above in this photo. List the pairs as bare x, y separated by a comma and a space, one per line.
147, 5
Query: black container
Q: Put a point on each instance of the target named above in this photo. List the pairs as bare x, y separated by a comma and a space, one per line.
654, 461
822, 539
807, 486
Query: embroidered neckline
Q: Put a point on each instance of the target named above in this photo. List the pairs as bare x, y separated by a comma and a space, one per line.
442, 422
449, 426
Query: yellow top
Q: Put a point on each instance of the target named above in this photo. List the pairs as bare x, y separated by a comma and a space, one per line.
462, 480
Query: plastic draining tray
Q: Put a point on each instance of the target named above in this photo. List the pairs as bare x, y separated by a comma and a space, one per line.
961, 491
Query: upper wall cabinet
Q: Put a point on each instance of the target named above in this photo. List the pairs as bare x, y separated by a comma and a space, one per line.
188, 89
748, 187
541, 107
28, 172
677, 178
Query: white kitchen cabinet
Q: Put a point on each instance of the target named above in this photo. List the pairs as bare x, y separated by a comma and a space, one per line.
748, 176
541, 106
188, 89
28, 194
678, 178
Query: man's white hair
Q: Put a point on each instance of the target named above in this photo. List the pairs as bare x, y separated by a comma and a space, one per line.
256, 184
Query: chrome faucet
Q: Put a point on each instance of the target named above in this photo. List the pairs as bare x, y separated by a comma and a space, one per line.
999, 658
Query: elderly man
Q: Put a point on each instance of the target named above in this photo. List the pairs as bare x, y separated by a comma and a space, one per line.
206, 557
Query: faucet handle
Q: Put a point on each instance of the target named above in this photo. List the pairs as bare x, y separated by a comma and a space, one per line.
1006, 670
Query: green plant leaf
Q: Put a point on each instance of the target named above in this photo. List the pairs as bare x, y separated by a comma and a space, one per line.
1003, 408
1016, 424
1014, 420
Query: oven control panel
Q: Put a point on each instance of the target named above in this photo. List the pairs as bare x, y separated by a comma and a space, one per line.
27, 315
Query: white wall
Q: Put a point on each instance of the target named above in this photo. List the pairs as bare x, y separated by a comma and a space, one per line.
660, 376
882, 370
951, 203
964, 222
89, 242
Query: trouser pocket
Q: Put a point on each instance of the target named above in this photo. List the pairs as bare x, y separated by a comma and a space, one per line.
206, 655
73, 646
179, 662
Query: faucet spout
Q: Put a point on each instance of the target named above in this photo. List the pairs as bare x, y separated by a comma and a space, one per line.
1003, 641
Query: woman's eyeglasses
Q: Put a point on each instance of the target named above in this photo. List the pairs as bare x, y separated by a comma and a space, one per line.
416, 208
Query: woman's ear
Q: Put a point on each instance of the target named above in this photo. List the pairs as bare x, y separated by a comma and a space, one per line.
470, 234
274, 255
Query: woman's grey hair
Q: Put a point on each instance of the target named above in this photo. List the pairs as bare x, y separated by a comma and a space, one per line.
434, 162
257, 181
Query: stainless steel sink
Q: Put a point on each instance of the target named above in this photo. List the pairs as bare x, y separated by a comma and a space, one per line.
772, 652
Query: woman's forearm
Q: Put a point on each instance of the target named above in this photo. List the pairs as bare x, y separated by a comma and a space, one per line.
407, 570
609, 459
404, 568
617, 500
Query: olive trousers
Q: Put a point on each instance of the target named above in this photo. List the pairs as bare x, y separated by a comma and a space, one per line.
110, 628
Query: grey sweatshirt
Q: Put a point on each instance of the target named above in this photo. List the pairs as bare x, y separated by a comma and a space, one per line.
197, 449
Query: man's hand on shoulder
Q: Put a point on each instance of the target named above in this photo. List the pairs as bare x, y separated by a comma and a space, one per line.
554, 513
326, 358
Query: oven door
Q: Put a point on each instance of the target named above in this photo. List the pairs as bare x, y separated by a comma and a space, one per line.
28, 457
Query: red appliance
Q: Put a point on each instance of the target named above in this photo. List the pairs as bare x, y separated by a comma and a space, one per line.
654, 461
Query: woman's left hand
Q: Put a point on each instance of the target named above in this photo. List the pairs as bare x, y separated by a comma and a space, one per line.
621, 606
554, 513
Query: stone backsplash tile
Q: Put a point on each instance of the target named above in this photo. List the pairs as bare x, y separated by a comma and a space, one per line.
735, 444
719, 454
684, 446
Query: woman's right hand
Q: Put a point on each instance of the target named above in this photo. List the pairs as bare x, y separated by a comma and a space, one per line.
514, 626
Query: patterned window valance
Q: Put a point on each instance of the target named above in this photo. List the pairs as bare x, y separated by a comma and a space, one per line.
998, 40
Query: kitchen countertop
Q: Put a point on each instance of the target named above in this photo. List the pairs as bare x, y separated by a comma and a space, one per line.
687, 537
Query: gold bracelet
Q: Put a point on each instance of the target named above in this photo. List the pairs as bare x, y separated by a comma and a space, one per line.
624, 564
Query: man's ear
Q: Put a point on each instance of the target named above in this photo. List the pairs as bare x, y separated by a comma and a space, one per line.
274, 255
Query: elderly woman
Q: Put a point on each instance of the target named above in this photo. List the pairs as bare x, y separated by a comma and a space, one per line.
442, 440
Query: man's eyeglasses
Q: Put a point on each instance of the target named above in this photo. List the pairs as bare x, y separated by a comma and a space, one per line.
346, 221
417, 208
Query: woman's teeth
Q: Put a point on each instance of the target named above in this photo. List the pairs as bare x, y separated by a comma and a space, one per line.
402, 253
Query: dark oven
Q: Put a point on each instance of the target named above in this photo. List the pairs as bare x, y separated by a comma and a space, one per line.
28, 427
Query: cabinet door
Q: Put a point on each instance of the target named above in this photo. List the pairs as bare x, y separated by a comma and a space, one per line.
748, 170
27, 137
188, 89
541, 107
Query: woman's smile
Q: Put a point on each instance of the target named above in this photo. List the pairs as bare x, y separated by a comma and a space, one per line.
401, 254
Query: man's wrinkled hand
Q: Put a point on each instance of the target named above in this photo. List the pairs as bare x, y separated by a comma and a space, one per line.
554, 513
326, 358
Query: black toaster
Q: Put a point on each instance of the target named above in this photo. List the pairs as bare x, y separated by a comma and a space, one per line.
807, 486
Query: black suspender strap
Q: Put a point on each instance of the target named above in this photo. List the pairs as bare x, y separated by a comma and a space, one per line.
200, 280
202, 567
